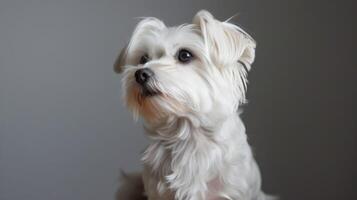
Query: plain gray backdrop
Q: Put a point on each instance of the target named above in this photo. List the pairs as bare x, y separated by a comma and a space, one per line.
64, 132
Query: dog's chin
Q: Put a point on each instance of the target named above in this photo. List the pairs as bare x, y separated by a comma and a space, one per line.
152, 104
143, 101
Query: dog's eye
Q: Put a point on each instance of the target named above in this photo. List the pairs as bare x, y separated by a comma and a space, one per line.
184, 56
144, 59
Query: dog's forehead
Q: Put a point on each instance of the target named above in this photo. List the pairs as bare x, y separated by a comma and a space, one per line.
175, 37
181, 33
165, 41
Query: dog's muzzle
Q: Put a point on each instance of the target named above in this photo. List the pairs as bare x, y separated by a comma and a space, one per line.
143, 77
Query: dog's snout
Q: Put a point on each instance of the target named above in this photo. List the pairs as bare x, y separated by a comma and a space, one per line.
143, 75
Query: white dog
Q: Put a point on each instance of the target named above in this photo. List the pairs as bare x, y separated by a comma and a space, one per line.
187, 82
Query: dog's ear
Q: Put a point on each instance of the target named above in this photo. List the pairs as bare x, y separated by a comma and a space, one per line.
226, 42
147, 25
120, 61
230, 48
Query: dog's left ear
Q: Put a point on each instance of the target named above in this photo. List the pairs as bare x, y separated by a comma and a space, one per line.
226, 42
230, 48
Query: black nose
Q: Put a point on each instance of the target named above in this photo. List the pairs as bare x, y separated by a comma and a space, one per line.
143, 75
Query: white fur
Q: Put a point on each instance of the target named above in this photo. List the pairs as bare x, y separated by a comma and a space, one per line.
199, 147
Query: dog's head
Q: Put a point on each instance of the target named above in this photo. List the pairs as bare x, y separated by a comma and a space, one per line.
191, 70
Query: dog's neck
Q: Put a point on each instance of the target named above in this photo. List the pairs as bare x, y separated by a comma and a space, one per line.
186, 154
175, 128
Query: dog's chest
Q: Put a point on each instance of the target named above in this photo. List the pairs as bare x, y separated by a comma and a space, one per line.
214, 187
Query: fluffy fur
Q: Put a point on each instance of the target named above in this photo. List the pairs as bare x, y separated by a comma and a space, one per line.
199, 147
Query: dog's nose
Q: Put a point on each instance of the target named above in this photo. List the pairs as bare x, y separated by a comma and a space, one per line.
143, 75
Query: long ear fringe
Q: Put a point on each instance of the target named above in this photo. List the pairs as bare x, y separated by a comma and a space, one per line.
120, 61
226, 42
145, 23
229, 45
243, 73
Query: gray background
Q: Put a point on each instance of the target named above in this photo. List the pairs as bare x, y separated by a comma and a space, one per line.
64, 132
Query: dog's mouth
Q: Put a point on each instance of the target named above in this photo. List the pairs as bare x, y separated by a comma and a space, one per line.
146, 92
149, 91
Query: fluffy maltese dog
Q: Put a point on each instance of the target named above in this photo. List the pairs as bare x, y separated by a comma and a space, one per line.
187, 82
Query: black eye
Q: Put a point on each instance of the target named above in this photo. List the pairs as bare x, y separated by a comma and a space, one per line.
184, 56
144, 59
